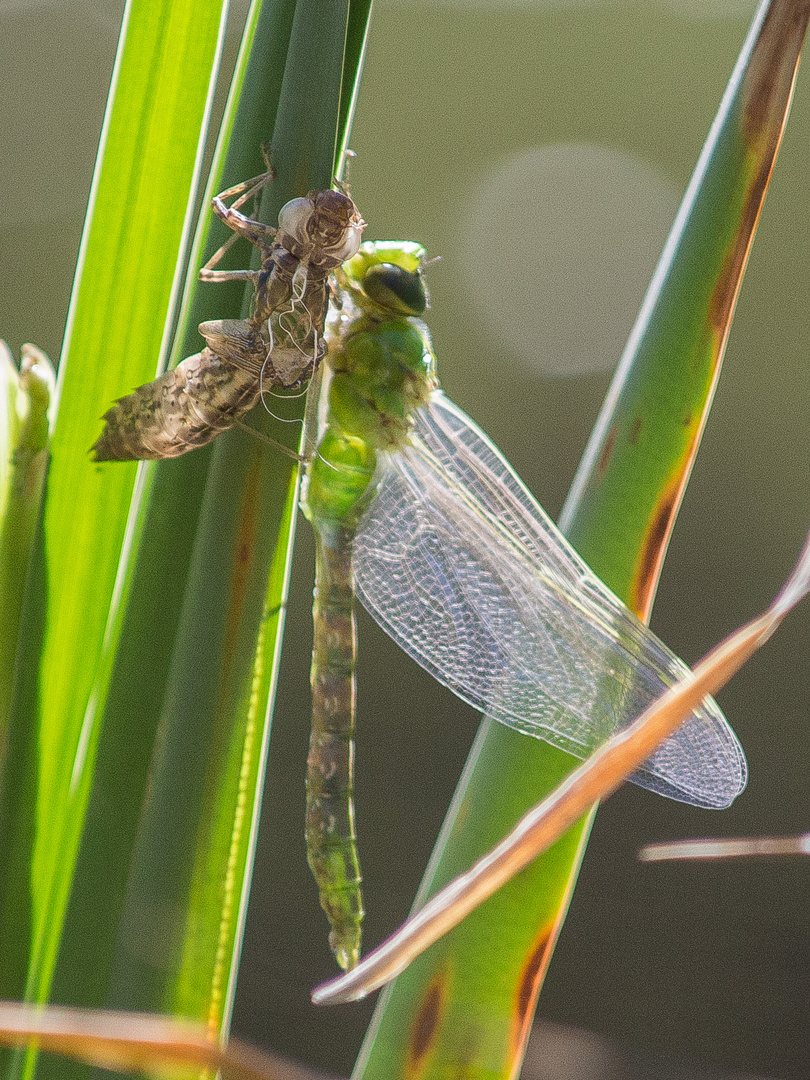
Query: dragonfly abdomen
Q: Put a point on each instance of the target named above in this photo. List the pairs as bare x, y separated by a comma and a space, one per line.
330, 830
184, 408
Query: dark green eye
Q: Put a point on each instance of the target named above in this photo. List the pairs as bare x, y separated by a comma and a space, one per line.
398, 290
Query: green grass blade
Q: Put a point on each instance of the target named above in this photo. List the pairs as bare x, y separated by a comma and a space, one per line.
468, 1002
356, 42
303, 152
145, 174
169, 520
28, 395
199, 648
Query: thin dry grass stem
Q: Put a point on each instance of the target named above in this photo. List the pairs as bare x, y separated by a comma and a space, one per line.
140, 1042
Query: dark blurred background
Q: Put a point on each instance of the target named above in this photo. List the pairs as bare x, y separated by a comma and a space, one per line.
549, 216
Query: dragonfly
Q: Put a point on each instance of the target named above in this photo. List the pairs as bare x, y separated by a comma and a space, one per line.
279, 345
418, 514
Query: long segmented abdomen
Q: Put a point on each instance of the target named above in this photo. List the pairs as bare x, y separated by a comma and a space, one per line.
330, 831
185, 408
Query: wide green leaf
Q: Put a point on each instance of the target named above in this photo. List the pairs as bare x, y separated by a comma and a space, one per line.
127, 269
27, 396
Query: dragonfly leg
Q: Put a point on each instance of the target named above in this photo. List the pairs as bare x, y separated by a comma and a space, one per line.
250, 188
255, 231
247, 189
208, 273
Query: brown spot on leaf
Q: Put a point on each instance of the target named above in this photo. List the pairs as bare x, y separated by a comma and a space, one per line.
531, 979
426, 1024
655, 546
635, 430
607, 452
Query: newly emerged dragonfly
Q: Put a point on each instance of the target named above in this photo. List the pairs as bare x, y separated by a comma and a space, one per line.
278, 346
419, 513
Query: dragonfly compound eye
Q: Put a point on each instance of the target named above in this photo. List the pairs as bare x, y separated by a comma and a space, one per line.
323, 228
397, 289
295, 216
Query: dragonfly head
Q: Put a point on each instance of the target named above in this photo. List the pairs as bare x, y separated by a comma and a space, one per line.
388, 274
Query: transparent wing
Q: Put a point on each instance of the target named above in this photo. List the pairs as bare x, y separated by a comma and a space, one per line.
462, 567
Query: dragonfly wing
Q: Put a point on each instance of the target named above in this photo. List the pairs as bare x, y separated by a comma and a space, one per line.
463, 568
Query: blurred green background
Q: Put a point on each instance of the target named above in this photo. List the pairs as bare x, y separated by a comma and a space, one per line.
541, 149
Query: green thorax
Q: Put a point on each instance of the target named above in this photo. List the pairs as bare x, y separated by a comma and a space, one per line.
382, 369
